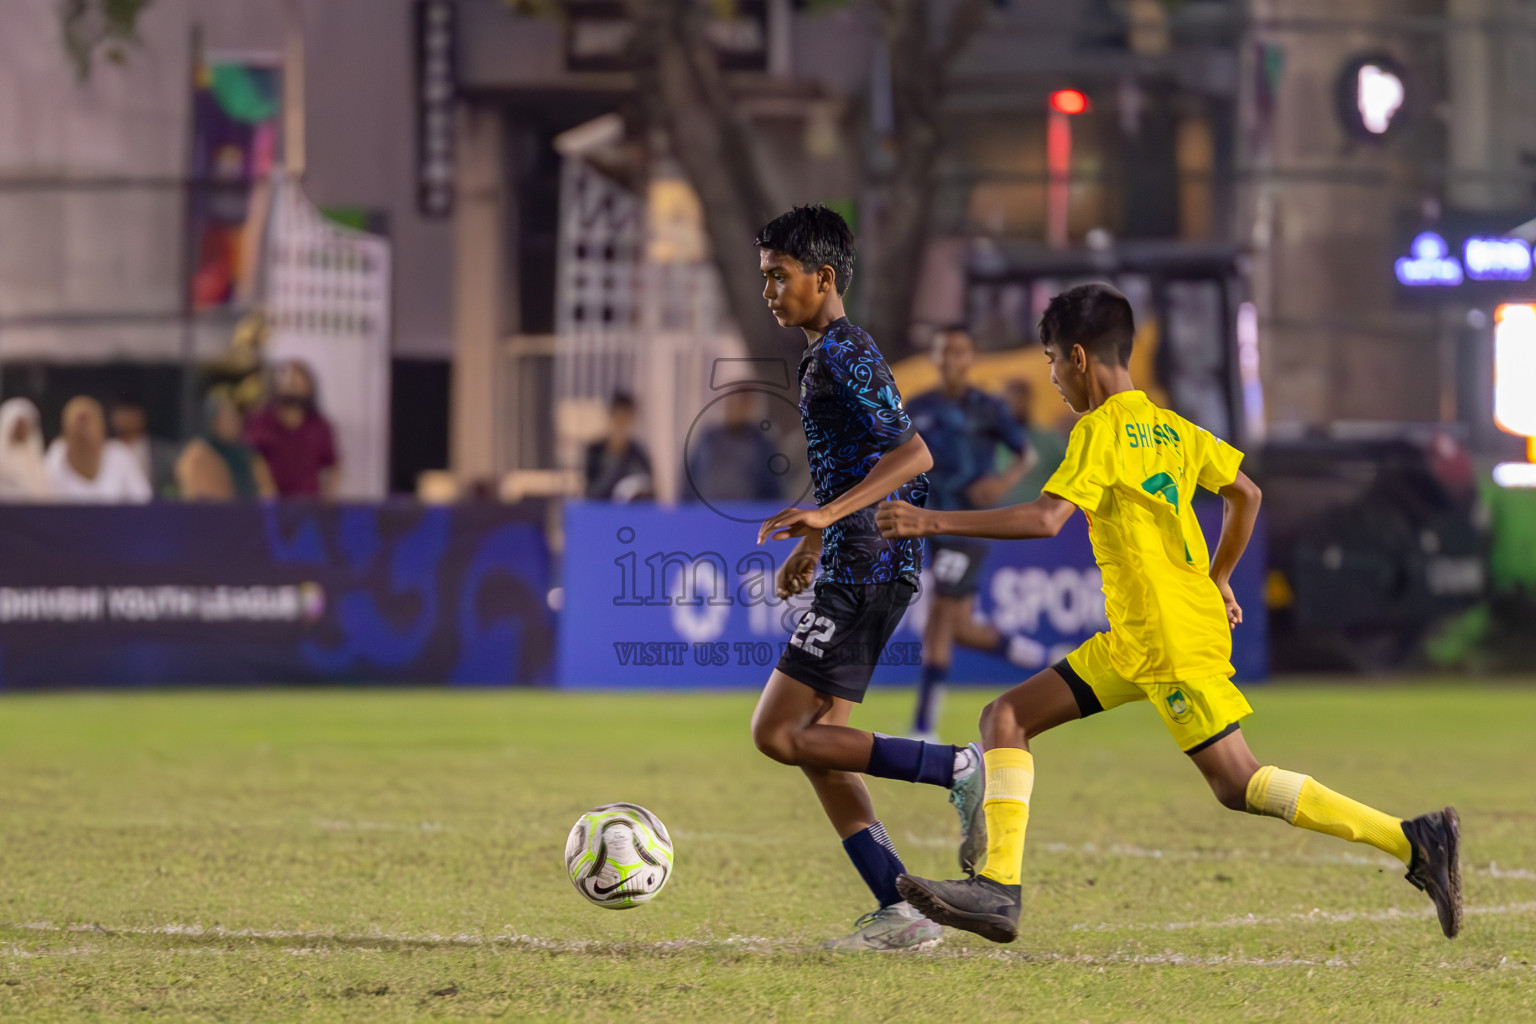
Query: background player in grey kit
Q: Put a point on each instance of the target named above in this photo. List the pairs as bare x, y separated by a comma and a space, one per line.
964, 427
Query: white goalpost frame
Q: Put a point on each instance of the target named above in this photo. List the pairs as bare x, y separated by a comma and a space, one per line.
328, 305
624, 321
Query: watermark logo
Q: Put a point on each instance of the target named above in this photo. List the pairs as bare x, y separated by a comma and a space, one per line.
746, 444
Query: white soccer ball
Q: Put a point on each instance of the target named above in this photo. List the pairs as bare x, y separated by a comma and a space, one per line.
619, 855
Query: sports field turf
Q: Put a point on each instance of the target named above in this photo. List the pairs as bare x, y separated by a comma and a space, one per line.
392, 856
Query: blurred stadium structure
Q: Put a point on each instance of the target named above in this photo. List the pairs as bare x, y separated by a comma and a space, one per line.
326, 299
478, 219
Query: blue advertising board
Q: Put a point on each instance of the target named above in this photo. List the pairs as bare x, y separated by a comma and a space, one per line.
288, 592
683, 597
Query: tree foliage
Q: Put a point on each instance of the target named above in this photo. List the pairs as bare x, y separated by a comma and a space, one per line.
686, 93
711, 137
922, 56
105, 27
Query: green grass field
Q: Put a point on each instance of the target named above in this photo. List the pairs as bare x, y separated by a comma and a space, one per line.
394, 856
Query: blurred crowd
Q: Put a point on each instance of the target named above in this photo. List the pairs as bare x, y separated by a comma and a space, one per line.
283, 446
734, 459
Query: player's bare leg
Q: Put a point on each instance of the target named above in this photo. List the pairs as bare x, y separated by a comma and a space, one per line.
951, 621
989, 903
979, 636
1041, 702
939, 631
792, 725
1228, 766
1427, 845
843, 795
938, 655
895, 924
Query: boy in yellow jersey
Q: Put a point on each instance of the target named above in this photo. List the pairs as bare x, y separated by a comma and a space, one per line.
1132, 467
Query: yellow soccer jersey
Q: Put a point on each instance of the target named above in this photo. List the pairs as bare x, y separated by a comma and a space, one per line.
1132, 468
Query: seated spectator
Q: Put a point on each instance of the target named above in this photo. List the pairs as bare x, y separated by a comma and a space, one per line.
732, 461
294, 437
156, 457
86, 466
218, 465
23, 476
617, 467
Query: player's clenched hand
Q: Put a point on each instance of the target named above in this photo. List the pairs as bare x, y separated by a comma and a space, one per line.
897, 519
793, 522
796, 573
1234, 610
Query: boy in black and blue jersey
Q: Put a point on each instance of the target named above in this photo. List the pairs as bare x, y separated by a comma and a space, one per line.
862, 447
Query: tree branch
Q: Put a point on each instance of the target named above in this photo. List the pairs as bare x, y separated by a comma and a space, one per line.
966, 19
685, 93
920, 67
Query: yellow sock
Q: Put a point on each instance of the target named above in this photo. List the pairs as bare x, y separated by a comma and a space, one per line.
1307, 803
1010, 781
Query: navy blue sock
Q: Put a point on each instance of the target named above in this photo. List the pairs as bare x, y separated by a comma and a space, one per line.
927, 694
912, 761
873, 853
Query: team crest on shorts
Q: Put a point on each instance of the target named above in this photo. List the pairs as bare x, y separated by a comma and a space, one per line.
1178, 706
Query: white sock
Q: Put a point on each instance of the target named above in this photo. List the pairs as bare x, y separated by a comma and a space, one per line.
966, 762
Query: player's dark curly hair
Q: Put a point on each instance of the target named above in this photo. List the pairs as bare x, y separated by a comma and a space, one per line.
1095, 316
814, 235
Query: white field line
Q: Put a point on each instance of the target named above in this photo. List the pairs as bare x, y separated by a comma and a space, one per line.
1493, 870
15, 950
1130, 851
746, 944
1126, 851
1314, 916
1155, 959
339, 825
275, 824
316, 941
196, 931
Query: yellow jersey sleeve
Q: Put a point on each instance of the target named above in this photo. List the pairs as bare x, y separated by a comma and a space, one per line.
1087, 471
1219, 461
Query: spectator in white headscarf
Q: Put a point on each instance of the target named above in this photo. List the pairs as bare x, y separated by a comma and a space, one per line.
23, 476
87, 466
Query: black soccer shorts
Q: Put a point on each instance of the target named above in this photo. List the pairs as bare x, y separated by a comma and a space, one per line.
956, 565
838, 640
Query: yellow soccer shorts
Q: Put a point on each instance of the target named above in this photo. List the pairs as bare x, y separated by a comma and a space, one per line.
1198, 712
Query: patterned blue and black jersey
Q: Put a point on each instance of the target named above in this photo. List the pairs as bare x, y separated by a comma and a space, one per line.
963, 434
852, 415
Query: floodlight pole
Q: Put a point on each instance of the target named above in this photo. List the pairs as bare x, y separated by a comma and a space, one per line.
191, 187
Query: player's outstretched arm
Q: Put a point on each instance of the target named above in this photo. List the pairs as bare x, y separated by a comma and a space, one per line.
989, 490
894, 468
1043, 517
1240, 499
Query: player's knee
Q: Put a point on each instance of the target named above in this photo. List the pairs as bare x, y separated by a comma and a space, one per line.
997, 718
775, 741
1231, 791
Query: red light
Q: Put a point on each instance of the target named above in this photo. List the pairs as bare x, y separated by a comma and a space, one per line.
1069, 101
